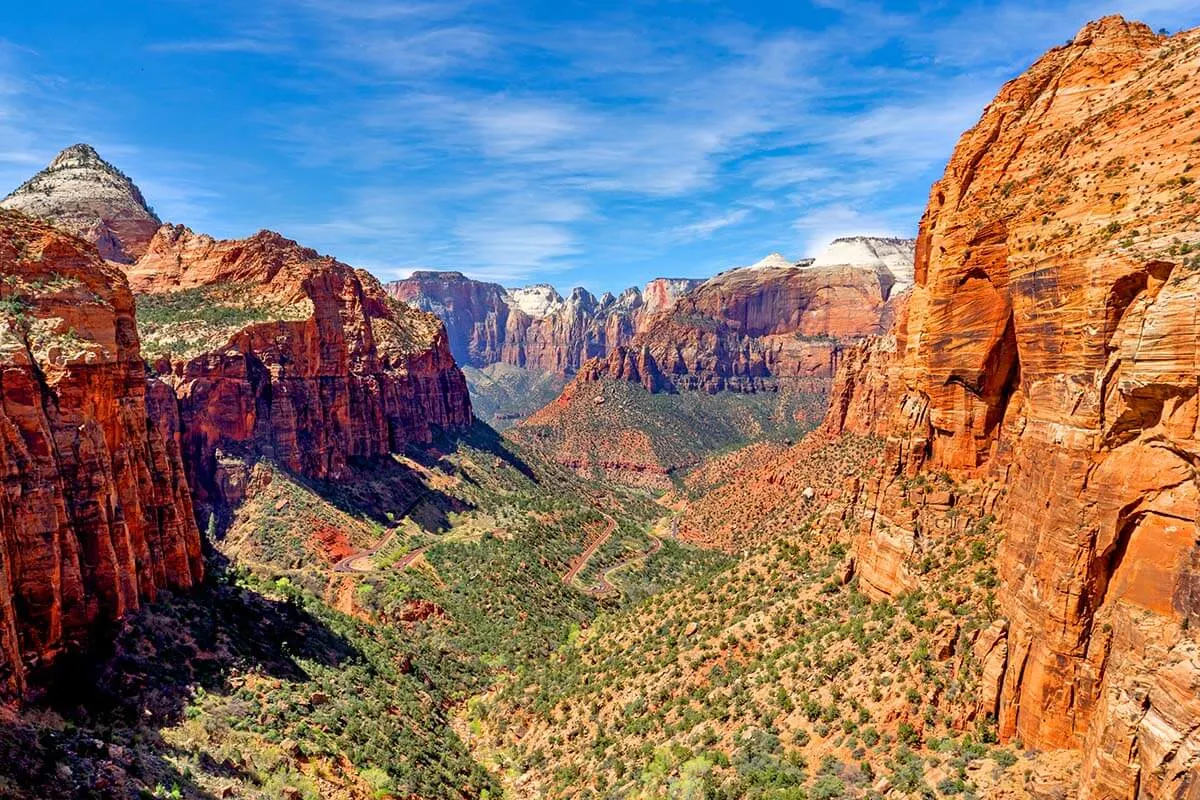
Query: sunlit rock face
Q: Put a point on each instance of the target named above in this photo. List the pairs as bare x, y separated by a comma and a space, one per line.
534, 327
85, 195
95, 513
1051, 346
318, 368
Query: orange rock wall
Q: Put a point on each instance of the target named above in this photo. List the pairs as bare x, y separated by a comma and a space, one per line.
95, 515
1052, 347
362, 377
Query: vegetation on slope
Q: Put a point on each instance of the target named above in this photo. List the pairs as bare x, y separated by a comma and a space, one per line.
617, 430
189, 322
775, 678
502, 393
285, 677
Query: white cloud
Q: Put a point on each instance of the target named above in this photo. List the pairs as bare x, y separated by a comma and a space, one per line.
470, 135
705, 228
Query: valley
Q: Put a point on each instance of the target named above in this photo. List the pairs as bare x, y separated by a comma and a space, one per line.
908, 519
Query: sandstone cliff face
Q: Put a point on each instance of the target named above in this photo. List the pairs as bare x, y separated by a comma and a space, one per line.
1051, 347
300, 359
754, 328
95, 515
534, 327
85, 195
475, 313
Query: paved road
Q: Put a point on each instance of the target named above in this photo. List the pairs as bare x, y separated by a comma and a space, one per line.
604, 587
360, 563
583, 558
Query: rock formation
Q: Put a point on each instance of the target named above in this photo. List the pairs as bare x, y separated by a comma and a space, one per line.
95, 514
275, 351
85, 195
774, 327
891, 258
757, 327
1050, 348
475, 313
534, 327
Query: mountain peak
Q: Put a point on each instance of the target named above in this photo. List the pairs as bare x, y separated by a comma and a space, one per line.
1114, 29
85, 195
773, 261
81, 154
889, 256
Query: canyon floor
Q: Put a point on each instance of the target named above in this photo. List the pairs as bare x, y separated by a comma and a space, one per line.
474, 620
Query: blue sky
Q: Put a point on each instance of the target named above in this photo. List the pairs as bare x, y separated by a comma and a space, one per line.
600, 144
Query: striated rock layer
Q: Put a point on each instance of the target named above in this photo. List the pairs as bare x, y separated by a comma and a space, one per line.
85, 195
95, 514
754, 328
1052, 348
774, 319
534, 327
318, 369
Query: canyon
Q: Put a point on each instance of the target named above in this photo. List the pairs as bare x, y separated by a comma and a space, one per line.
842, 293
912, 518
747, 355
746, 329
139, 397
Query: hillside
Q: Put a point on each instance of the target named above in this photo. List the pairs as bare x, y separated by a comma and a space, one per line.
619, 431
1031, 514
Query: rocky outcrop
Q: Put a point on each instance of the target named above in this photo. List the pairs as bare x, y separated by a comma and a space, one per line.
475, 313
275, 351
534, 327
891, 258
864, 389
95, 514
765, 326
85, 195
1050, 350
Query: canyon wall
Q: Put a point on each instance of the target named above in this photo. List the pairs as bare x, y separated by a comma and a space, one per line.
534, 327
1051, 351
755, 328
275, 351
95, 514
776, 318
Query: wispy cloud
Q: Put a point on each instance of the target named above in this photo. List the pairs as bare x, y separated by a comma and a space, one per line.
600, 143
204, 46
705, 228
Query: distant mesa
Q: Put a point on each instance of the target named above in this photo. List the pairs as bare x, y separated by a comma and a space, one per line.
81, 193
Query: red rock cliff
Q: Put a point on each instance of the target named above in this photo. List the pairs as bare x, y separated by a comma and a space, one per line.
534, 328
1052, 347
95, 515
275, 351
753, 328
474, 312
